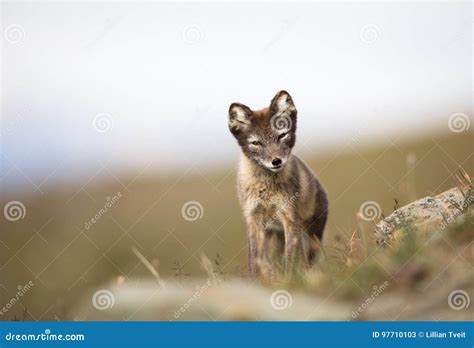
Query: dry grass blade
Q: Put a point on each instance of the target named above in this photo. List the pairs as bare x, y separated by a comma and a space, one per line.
465, 175
209, 268
148, 265
463, 178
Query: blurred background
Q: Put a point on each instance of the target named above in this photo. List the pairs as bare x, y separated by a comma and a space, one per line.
114, 127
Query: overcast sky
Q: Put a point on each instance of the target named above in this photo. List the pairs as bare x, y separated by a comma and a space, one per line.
134, 83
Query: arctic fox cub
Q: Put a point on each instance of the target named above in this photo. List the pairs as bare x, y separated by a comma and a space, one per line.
279, 194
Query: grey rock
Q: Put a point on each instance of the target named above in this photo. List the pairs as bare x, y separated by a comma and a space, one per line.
425, 215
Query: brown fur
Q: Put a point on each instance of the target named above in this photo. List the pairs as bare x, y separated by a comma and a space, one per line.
287, 202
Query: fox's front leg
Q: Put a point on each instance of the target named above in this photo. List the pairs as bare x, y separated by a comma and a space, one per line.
256, 237
293, 241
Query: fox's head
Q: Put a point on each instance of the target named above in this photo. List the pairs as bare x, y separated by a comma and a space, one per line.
266, 136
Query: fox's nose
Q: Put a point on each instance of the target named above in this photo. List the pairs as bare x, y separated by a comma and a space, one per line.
276, 162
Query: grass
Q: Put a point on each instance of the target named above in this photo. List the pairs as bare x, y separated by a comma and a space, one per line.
66, 261
350, 274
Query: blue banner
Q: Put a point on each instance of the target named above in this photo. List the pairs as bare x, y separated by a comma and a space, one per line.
236, 334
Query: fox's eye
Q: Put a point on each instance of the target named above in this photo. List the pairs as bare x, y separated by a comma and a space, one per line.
256, 143
282, 136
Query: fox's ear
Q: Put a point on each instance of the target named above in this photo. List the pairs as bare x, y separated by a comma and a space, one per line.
239, 117
282, 103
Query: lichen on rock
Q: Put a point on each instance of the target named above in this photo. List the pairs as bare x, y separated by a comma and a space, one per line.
426, 214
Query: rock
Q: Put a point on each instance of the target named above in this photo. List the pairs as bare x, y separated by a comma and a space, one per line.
425, 215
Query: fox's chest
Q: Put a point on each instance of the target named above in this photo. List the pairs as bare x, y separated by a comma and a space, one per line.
262, 198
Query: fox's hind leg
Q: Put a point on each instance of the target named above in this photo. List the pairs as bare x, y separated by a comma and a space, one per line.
311, 248
315, 236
